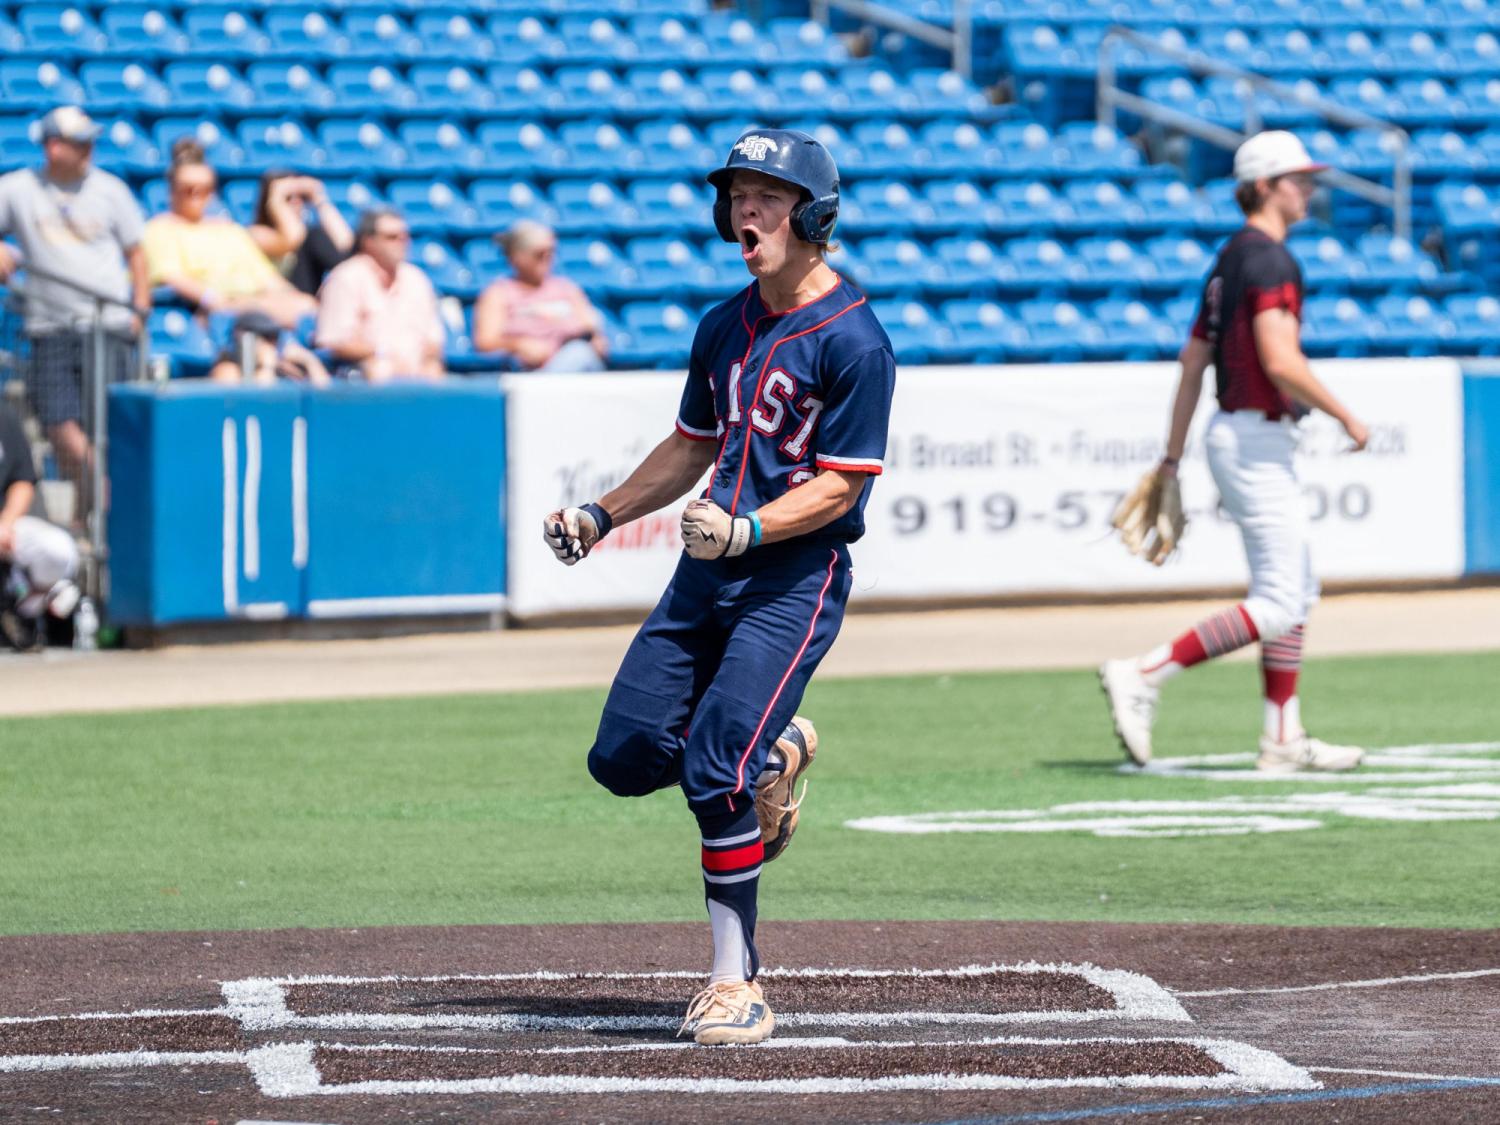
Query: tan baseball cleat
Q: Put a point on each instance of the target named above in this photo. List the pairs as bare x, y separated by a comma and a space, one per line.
776, 803
1306, 753
729, 1011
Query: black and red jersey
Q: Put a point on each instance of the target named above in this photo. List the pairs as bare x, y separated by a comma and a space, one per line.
1254, 272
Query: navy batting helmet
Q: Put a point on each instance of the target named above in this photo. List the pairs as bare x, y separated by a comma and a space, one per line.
790, 156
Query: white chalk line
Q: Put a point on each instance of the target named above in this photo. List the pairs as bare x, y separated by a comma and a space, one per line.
1402, 1074
143, 1013
290, 1071
120, 1060
1328, 986
260, 1003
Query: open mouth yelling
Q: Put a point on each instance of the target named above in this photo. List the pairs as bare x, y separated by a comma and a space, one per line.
749, 244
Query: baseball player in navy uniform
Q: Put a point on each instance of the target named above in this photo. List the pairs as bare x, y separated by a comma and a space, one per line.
1248, 328
787, 402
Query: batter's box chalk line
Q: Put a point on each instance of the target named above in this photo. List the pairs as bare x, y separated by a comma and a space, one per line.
290, 1071
261, 1004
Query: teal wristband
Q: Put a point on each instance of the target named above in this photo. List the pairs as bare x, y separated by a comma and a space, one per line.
754, 519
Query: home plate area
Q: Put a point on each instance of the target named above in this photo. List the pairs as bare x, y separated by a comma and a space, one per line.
908, 1044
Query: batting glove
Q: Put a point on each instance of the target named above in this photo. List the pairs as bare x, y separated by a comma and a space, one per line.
709, 532
572, 532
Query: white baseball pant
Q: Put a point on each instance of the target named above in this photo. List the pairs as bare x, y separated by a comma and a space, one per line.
1251, 461
45, 554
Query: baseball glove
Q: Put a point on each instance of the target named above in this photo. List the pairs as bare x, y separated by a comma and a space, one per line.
1150, 519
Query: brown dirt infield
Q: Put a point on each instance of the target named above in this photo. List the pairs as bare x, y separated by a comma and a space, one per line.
934, 1040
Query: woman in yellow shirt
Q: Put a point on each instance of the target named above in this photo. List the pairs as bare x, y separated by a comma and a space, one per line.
212, 262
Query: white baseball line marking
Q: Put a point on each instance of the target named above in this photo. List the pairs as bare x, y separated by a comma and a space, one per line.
260, 1003
1401, 1074
289, 1071
1380, 982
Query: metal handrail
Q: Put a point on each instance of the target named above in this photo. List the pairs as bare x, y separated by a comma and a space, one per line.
959, 40
1110, 97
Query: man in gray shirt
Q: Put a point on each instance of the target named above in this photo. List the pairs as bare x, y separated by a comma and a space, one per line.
82, 225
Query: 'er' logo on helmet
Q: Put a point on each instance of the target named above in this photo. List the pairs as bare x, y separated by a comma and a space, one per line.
755, 147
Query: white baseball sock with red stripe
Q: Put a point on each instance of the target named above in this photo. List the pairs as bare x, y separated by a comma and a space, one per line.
1224, 632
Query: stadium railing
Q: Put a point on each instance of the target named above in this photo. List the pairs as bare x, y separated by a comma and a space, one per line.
1112, 97
959, 39
50, 374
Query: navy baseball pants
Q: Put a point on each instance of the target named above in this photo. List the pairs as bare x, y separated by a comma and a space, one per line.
718, 670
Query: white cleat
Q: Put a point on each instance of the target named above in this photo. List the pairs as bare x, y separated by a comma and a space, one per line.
1305, 752
1132, 705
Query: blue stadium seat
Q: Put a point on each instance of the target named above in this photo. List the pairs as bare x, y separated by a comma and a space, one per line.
959, 148
944, 93
1115, 264
440, 146
675, 143
449, 273
1139, 330
916, 335
1413, 325
1467, 209
1092, 149
1326, 262
18, 146
525, 41
125, 150
224, 31
352, 197
206, 87
972, 265
449, 36
112, 86
1428, 102
596, 266
872, 91
1031, 207
1476, 323
1102, 205
882, 206
275, 142
11, 40
522, 92
362, 88
502, 202
1182, 262
666, 41
960, 205
599, 148
239, 198
302, 33
28, 84
486, 259
589, 207
592, 90
434, 208
737, 91
59, 31
450, 89
1060, 331
654, 335
142, 31
731, 36
360, 148
186, 344
672, 266
1029, 149
800, 86
383, 35
984, 330
804, 42
674, 207
888, 149
522, 148
595, 41
289, 88
898, 267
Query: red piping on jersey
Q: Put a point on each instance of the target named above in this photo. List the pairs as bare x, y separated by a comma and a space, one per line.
765, 368
691, 437
739, 773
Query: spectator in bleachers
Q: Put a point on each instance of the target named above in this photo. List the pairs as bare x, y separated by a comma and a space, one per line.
210, 260
297, 226
39, 560
378, 313
545, 321
81, 225
275, 352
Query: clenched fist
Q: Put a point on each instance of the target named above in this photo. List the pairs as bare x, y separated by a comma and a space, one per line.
572, 532
709, 532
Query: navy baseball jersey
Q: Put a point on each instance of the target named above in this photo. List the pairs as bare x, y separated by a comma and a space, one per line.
1254, 273
786, 394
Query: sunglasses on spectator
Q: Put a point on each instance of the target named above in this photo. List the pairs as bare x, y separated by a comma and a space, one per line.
395, 235
194, 189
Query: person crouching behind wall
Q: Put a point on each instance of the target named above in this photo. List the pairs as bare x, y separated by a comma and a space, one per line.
545, 321
274, 354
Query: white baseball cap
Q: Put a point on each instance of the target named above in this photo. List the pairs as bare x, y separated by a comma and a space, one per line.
1270, 154
71, 124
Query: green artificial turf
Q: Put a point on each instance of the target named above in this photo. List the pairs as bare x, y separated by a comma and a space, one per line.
479, 810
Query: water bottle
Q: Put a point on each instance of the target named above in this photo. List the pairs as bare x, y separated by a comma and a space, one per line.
85, 626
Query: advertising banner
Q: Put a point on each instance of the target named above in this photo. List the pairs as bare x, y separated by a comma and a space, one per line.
1000, 481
